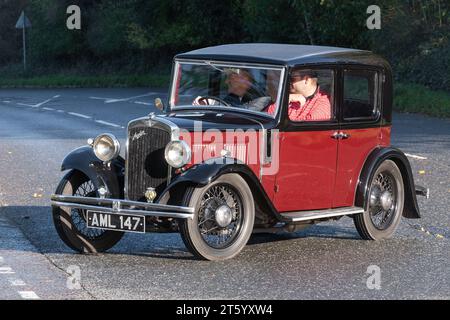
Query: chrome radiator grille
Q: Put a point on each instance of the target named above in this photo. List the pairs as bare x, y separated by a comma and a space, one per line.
146, 166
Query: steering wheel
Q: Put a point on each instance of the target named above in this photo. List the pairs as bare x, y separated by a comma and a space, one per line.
214, 98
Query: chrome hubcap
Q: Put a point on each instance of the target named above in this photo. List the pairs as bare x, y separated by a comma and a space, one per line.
381, 198
223, 216
386, 200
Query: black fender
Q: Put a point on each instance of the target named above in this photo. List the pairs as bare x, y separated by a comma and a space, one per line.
207, 172
101, 174
375, 158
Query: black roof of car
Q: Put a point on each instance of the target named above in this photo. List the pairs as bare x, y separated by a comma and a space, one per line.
284, 54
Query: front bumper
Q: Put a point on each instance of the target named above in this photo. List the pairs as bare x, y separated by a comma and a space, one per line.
120, 206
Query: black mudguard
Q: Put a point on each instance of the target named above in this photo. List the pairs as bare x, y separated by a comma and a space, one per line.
111, 176
203, 174
375, 158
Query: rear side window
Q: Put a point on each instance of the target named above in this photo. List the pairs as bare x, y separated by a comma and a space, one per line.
360, 95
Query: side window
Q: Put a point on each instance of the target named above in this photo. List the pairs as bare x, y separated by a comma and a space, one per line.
311, 95
360, 95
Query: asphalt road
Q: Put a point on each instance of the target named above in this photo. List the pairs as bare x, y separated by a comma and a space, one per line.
39, 127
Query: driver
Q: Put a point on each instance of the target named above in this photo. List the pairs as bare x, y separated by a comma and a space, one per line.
238, 82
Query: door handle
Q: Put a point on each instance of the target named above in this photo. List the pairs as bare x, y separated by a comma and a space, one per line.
336, 135
340, 135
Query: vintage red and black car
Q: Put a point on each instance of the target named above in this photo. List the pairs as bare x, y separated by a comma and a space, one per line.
252, 137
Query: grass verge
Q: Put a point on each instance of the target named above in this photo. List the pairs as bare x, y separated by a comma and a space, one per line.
415, 98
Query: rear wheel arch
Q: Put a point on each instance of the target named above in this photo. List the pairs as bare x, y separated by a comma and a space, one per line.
373, 161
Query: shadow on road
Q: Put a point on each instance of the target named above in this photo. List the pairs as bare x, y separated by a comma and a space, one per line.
36, 224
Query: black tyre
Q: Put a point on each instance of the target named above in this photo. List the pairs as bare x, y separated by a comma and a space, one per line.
71, 223
385, 204
223, 220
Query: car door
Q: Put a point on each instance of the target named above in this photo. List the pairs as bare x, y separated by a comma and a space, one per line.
360, 116
307, 158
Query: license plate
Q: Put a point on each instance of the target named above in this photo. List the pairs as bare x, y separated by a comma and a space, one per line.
117, 222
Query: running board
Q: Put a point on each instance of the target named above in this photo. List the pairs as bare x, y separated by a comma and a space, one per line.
319, 214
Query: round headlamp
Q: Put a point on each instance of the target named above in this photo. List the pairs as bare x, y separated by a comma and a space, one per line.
177, 153
106, 147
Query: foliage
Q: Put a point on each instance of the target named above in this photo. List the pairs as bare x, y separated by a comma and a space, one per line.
134, 36
419, 99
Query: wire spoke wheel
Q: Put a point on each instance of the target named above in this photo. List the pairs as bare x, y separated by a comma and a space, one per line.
71, 223
383, 202
79, 216
220, 215
223, 220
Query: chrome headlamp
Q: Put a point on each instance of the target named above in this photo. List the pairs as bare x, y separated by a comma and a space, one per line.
106, 147
177, 153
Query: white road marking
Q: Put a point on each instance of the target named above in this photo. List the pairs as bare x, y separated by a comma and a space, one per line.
79, 115
17, 282
144, 103
416, 157
6, 270
1, 258
60, 111
113, 100
38, 105
29, 295
24, 104
48, 109
6, 101
108, 124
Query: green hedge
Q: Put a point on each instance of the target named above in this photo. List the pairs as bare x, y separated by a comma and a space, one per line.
415, 98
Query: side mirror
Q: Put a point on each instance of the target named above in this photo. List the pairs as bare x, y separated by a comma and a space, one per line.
159, 104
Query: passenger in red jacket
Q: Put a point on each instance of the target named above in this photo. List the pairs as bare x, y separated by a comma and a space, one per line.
306, 101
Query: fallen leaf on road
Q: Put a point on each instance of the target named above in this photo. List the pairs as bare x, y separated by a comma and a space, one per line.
439, 236
422, 172
37, 195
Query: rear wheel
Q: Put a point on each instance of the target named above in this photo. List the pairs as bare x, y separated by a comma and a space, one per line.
71, 223
385, 204
223, 219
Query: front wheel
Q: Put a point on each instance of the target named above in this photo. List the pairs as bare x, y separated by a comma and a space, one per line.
223, 219
385, 204
71, 223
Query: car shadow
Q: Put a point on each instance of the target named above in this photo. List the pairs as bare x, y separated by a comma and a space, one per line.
36, 225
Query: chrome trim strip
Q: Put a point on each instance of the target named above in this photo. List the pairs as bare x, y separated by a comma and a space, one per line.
116, 206
224, 63
320, 214
109, 201
125, 211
